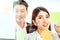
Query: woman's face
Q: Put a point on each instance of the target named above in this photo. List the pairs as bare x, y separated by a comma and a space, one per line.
42, 21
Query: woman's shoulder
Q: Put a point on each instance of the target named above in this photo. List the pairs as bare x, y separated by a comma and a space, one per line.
33, 34
30, 36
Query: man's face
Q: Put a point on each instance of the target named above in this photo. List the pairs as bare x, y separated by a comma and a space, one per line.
57, 28
21, 12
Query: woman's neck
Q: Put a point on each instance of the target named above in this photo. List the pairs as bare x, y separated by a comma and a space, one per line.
40, 31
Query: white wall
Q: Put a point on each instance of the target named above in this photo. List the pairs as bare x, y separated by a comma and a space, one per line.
7, 19
50, 5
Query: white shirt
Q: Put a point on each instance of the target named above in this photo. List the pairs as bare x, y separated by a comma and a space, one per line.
38, 36
54, 33
19, 29
33, 36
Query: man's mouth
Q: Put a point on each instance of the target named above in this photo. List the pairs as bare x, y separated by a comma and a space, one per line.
20, 17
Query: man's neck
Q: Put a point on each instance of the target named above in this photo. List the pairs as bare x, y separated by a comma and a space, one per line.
21, 24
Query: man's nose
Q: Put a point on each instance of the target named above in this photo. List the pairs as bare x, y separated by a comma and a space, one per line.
19, 13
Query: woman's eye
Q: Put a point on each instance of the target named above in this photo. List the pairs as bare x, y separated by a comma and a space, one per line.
40, 17
47, 16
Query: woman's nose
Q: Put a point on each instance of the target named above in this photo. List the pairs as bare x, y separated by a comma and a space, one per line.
44, 20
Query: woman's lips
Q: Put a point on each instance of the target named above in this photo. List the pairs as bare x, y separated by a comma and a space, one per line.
45, 25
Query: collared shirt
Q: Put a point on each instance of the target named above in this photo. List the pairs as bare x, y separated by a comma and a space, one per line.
20, 33
19, 29
33, 36
54, 33
38, 36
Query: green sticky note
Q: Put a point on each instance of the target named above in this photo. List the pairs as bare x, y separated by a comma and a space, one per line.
55, 16
19, 36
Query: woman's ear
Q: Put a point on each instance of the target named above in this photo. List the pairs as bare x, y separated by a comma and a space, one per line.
34, 22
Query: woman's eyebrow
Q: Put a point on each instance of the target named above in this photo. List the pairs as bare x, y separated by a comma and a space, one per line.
47, 15
40, 15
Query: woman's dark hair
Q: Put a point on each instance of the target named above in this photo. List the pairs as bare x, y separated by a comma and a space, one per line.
36, 12
32, 27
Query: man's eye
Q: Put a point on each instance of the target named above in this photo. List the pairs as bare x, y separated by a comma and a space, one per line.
16, 11
22, 11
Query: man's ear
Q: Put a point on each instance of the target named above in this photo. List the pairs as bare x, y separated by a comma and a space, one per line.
27, 13
34, 22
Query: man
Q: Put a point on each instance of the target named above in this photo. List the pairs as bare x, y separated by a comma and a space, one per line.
57, 29
21, 10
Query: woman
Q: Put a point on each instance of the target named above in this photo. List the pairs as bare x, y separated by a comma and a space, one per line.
41, 24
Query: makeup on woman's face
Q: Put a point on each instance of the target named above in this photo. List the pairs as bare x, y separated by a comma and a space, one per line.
42, 20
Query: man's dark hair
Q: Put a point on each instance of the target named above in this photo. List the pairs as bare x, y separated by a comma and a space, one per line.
20, 2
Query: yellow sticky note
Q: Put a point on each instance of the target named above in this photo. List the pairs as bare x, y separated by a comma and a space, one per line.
19, 36
46, 35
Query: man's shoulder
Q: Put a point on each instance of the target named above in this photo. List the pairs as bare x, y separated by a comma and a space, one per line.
55, 36
27, 23
29, 28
